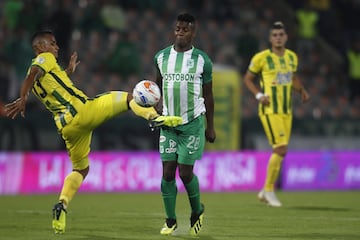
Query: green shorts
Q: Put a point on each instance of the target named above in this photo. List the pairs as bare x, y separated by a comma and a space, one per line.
184, 143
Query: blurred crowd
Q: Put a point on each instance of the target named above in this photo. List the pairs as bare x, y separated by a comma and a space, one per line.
116, 42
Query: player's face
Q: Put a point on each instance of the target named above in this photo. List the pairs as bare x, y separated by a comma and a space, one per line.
184, 35
278, 38
49, 45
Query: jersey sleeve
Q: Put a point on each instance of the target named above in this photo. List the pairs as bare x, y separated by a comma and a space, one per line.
207, 73
255, 65
155, 61
46, 61
293, 60
295, 63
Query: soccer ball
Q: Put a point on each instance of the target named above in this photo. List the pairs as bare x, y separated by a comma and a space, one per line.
146, 93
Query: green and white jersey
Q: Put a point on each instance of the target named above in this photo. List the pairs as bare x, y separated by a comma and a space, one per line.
183, 74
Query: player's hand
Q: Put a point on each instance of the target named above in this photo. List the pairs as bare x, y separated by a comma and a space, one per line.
16, 107
73, 63
210, 135
265, 100
305, 96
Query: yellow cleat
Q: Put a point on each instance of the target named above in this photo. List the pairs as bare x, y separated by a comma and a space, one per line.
196, 222
59, 218
169, 227
169, 121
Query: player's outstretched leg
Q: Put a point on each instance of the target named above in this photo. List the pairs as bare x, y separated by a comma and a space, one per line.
59, 218
196, 222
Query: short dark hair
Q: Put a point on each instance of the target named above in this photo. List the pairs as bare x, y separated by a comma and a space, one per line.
278, 25
41, 33
186, 17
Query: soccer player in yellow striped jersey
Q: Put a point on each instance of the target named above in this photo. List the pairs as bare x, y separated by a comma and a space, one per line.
75, 114
276, 68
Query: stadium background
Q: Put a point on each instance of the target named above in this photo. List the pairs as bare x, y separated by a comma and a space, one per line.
116, 41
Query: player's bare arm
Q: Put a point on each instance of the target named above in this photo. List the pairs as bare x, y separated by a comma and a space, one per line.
19, 105
209, 104
249, 82
298, 87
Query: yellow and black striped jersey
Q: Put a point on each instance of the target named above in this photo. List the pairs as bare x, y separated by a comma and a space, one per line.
55, 89
276, 76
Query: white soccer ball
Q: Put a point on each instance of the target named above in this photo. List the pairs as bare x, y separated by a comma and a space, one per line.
146, 93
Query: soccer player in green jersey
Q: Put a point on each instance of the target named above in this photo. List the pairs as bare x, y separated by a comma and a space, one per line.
75, 114
185, 76
277, 67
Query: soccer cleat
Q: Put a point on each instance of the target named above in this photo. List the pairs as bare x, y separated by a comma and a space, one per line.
169, 121
59, 218
169, 227
261, 196
269, 198
196, 222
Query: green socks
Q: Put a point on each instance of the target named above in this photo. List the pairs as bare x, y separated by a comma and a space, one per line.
193, 192
169, 193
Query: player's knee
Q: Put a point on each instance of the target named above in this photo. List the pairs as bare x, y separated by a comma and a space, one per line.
84, 172
169, 170
186, 173
186, 176
281, 150
168, 175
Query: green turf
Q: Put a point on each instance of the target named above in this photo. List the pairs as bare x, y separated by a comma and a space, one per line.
304, 216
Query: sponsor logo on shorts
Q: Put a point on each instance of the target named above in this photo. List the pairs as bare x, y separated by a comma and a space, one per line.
172, 147
170, 150
172, 143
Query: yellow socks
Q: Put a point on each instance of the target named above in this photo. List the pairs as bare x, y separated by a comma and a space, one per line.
273, 171
144, 112
72, 183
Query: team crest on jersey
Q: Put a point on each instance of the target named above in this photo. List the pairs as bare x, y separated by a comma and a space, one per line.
190, 63
40, 60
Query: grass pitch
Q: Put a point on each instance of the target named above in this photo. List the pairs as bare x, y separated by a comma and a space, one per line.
128, 216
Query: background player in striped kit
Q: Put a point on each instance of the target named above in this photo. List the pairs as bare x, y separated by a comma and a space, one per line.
75, 114
185, 76
277, 67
